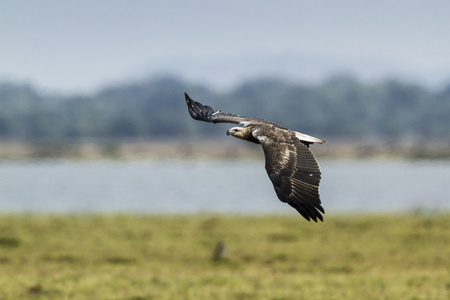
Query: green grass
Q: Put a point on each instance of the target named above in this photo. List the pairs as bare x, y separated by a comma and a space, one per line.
270, 257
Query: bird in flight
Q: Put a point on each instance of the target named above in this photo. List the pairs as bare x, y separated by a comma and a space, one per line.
292, 168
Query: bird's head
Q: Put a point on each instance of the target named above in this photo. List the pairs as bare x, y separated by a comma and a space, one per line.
243, 133
238, 132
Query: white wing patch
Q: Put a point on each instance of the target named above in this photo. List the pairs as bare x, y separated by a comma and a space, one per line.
263, 140
285, 156
257, 136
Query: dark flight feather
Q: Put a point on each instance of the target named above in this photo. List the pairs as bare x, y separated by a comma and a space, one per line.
294, 173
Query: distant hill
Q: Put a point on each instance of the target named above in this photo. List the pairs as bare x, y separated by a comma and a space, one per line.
341, 107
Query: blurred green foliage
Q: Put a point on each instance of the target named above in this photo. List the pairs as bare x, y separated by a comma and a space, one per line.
340, 107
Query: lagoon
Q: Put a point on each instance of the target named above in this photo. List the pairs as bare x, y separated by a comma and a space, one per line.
216, 186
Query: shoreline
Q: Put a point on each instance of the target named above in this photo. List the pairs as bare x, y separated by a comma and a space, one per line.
215, 149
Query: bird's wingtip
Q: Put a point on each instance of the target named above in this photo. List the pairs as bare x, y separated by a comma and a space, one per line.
189, 100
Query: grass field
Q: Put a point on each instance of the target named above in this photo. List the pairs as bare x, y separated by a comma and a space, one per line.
268, 257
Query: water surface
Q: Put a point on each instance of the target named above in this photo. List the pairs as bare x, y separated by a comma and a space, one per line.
218, 186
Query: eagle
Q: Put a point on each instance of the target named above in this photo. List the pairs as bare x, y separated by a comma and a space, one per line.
292, 168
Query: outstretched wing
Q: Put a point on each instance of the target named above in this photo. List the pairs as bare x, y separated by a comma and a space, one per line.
293, 170
205, 113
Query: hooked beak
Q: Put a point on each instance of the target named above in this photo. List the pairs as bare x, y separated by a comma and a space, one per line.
228, 132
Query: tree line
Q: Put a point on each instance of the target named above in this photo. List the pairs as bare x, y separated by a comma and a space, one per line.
341, 107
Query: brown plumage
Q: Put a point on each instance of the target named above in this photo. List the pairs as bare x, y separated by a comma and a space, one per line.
291, 166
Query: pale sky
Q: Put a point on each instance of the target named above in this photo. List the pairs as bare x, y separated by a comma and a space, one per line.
80, 46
